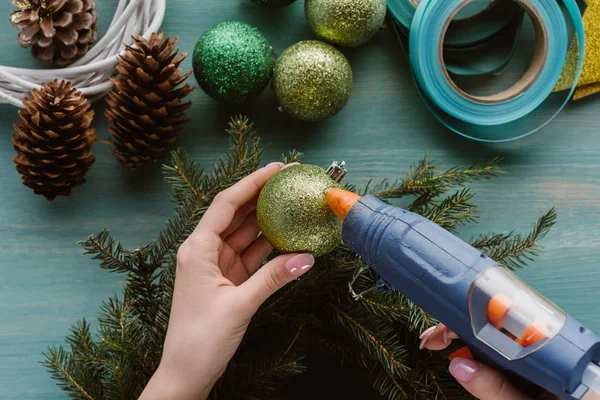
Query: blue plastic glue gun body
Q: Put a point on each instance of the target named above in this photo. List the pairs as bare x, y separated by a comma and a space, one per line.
498, 316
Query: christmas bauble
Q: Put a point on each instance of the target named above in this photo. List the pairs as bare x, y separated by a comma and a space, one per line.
293, 213
312, 80
347, 23
233, 62
273, 3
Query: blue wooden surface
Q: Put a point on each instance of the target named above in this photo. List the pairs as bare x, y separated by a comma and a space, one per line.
46, 284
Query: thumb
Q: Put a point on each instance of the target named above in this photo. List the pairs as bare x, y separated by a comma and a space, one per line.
483, 382
274, 275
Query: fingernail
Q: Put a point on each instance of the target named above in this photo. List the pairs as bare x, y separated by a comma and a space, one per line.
290, 165
427, 332
300, 264
279, 164
425, 336
463, 369
452, 335
446, 340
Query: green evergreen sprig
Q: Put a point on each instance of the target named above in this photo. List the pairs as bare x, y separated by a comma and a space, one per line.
515, 251
378, 332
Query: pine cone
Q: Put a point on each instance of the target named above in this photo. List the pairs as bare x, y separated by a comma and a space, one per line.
146, 105
54, 140
58, 31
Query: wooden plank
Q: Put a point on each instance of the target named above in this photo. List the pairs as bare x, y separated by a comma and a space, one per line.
46, 284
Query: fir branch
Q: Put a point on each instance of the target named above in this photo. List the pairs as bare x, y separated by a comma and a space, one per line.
390, 386
184, 175
62, 367
416, 181
431, 374
386, 310
270, 373
292, 156
80, 339
486, 241
389, 306
112, 255
418, 319
169, 239
433, 382
515, 251
422, 180
348, 353
382, 346
457, 176
188, 178
455, 210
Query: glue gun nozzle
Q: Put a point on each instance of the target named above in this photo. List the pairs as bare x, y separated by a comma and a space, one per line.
341, 201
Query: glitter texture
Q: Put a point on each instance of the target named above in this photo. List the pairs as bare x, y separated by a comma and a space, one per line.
293, 213
233, 62
347, 23
589, 81
273, 3
312, 80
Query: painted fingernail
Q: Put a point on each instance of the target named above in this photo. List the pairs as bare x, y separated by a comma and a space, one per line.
425, 336
300, 264
427, 332
290, 165
463, 369
279, 164
452, 335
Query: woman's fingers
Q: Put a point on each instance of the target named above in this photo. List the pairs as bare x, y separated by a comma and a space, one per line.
240, 217
273, 276
222, 211
483, 382
246, 233
256, 254
437, 338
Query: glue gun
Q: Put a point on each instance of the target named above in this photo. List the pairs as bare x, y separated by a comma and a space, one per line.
502, 321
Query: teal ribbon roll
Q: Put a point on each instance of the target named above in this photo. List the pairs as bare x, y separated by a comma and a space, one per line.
464, 32
516, 112
491, 29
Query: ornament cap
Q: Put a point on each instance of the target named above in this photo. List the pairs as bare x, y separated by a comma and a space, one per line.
337, 170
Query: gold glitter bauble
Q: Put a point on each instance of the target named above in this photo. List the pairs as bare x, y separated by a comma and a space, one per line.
293, 213
347, 23
312, 80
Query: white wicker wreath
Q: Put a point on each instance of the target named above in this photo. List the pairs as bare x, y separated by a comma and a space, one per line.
91, 73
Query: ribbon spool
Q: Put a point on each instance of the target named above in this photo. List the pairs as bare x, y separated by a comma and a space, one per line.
513, 113
493, 29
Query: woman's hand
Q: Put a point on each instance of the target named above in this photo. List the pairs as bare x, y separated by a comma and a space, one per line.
219, 286
478, 379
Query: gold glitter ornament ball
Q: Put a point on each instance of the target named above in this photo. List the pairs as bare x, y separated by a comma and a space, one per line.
312, 80
348, 23
293, 213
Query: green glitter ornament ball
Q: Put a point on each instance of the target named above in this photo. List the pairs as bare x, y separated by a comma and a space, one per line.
312, 80
348, 23
273, 3
293, 213
233, 62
